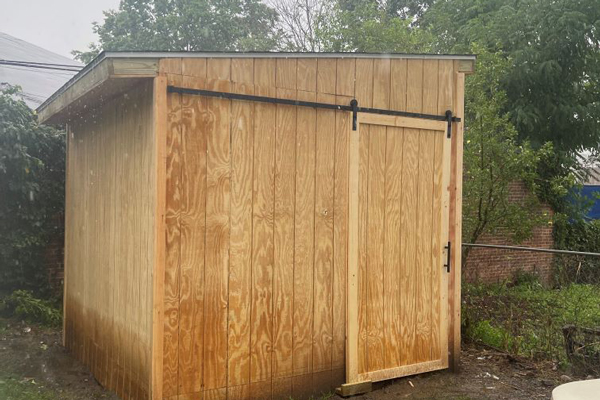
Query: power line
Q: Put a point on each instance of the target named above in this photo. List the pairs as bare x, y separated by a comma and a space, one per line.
42, 71
39, 65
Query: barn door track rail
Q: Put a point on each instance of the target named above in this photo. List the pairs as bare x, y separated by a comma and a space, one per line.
353, 107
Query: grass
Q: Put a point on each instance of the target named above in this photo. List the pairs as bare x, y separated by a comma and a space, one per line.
13, 389
527, 319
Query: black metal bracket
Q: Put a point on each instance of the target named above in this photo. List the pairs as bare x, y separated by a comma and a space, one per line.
448, 247
450, 119
353, 107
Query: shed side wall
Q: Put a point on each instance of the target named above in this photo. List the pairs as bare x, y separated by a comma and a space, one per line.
305, 318
109, 241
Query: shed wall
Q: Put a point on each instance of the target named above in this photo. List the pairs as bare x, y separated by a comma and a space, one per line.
110, 240
256, 218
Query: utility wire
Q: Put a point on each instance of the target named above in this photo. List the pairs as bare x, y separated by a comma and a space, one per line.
42, 71
39, 65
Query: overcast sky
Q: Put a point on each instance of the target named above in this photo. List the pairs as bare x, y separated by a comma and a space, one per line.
56, 25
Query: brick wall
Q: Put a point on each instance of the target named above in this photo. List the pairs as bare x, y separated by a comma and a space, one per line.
498, 265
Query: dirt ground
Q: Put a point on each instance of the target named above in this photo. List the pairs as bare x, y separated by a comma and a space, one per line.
33, 365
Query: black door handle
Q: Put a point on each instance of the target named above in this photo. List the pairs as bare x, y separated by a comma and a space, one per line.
449, 257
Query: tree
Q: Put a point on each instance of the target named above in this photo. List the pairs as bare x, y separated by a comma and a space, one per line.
494, 159
552, 85
367, 27
32, 168
185, 25
301, 21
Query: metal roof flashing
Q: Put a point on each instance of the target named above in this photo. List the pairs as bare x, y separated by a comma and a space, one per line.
130, 62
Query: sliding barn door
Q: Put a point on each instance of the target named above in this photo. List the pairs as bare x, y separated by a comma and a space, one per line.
398, 236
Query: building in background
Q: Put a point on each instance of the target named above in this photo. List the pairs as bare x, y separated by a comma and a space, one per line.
591, 190
37, 71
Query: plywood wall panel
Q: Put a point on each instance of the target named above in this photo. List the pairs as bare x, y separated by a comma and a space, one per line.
278, 277
109, 254
192, 245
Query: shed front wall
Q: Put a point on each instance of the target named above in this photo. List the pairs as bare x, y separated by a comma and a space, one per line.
109, 241
257, 218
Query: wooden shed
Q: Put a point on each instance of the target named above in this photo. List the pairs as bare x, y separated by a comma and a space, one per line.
262, 225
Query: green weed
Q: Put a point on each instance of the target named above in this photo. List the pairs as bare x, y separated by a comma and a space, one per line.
22, 304
527, 319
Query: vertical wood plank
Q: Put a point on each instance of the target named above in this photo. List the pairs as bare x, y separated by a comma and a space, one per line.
393, 229
377, 221
376, 224
118, 251
345, 78
424, 246
307, 74
410, 195
283, 268
456, 217
326, 75
261, 345
265, 77
216, 127
445, 102
304, 230
160, 118
172, 221
323, 276
192, 243
364, 95
394, 187
340, 248
240, 278
194, 67
352, 322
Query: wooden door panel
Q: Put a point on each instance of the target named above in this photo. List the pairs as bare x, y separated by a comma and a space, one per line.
398, 210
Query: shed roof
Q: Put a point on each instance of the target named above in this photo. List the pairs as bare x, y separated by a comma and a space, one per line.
102, 72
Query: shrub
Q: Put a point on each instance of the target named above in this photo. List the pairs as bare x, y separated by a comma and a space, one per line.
578, 236
527, 319
32, 167
23, 304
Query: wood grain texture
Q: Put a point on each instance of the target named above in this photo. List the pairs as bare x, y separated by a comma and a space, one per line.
193, 175
445, 102
393, 228
216, 127
284, 214
343, 126
364, 95
261, 345
410, 221
423, 262
376, 221
256, 240
108, 322
240, 279
173, 241
304, 232
345, 87
323, 276
454, 289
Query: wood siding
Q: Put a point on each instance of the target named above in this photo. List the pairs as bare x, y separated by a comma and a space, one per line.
110, 214
257, 223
